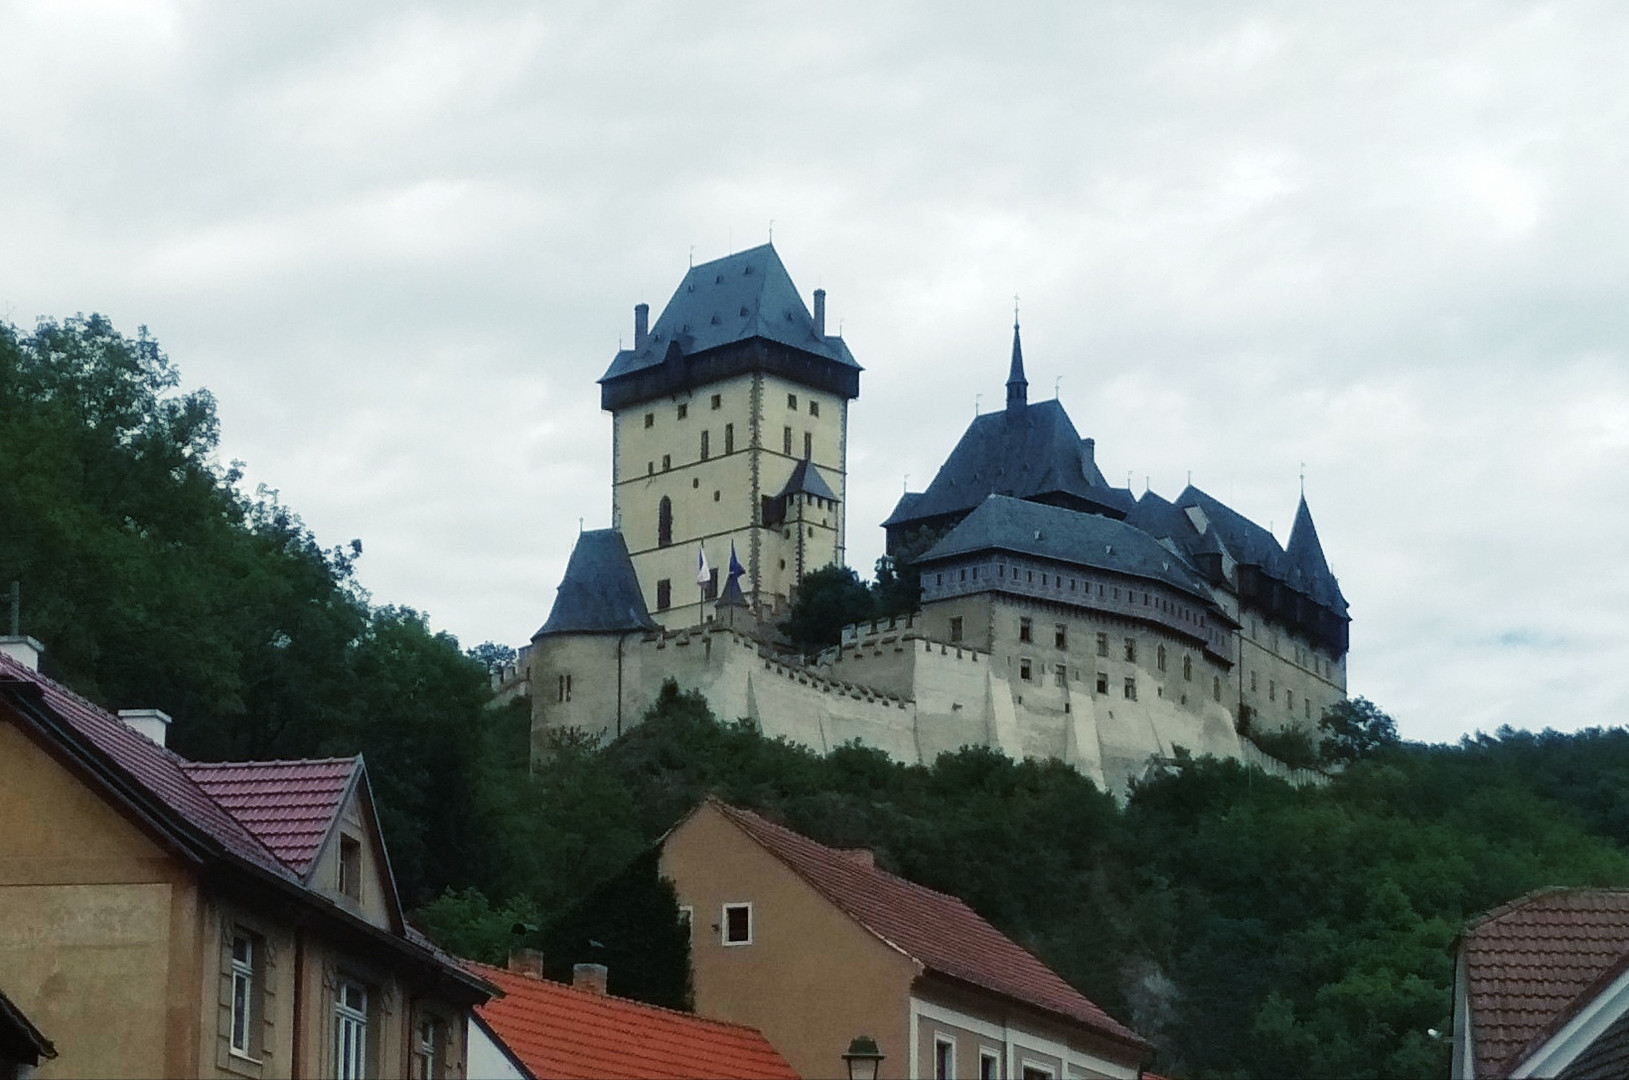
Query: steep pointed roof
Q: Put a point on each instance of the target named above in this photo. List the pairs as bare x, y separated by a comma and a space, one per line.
737, 298
1017, 385
600, 592
1304, 550
1029, 453
806, 480
290, 806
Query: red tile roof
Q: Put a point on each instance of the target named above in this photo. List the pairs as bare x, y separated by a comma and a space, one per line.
939, 931
558, 1031
1532, 964
288, 805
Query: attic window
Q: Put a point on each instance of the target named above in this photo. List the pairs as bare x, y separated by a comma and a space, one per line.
738, 924
350, 866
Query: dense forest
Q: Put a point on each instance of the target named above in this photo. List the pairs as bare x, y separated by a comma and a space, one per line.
1248, 927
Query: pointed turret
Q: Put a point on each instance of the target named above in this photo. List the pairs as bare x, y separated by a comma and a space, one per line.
1303, 550
1017, 385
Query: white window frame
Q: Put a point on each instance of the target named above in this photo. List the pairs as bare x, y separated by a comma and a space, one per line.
351, 1021
724, 923
1027, 1064
427, 1046
947, 1044
994, 1060
242, 996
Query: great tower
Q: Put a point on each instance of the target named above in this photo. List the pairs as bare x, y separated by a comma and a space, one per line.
730, 428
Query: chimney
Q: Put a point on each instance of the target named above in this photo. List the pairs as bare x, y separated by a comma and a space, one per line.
641, 326
23, 649
860, 856
820, 313
590, 977
527, 962
1088, 450
149, 722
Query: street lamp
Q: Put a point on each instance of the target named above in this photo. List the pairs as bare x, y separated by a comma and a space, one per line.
864, 1060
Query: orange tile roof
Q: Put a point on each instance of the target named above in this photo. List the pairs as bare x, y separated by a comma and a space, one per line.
1532, 964
557, 1031
939, 931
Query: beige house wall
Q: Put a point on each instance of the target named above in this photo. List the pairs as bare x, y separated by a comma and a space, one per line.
811, 980
976, 1024
111, 946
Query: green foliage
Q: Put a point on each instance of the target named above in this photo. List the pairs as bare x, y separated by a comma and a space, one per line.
823, 603
465, 923
1355, 728
1293, 745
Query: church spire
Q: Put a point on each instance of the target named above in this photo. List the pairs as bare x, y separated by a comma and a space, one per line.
1017, 385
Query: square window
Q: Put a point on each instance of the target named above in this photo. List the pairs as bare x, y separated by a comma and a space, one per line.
1060, 675
1131, 649
738, 924
1102, 644
1060, 635
955, 628
1026, 630
814, 408
718, 401
1023, 669
664, 594
1131, 689
667, 462
650, 419
684, 411
1102, 682
791, 401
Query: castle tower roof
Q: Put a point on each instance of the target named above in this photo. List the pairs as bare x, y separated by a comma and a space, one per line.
1304, 551
600, 592
1017, 385
806, 480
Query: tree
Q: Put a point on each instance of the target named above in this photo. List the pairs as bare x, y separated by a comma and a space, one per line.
823, 603
1354, 729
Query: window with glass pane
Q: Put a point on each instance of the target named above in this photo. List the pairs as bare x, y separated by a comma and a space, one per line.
351, 1031
243, 992
425, 1049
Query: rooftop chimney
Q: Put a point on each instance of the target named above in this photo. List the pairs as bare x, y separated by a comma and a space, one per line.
820, 313
527, 962
149, 722
590, 977
23, 649
641, 326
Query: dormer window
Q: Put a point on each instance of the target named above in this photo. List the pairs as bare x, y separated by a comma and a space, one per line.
350, 867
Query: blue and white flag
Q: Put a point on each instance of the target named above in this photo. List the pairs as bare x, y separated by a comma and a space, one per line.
703, 574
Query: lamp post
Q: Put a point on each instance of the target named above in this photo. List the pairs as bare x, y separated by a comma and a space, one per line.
864, 1059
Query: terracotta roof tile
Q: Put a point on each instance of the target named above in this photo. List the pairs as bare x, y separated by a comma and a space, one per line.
288, 805
558, 1031
939, 931
1531, 964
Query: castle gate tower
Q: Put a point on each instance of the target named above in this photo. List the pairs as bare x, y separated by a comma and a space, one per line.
730, 427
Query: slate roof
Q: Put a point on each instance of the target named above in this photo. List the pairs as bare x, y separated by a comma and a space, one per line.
558, 1031
1029, 452
600, 592
1531, 965
939, 931
806, 480
290, 806
737, 298
1002, 523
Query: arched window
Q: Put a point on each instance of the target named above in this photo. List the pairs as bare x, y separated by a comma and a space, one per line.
664, 522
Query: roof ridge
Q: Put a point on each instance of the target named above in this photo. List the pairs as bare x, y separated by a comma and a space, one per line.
589, 995
270, 762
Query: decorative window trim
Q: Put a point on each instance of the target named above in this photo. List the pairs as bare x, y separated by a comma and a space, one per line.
724, 924
263, 998
944, 1050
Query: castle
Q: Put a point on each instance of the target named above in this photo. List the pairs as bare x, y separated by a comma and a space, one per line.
1060, 616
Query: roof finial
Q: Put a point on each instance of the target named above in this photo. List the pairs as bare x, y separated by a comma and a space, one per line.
976, 403
1057, 381
1017, 385
771, 230
905, 485
1303, 479
692, 256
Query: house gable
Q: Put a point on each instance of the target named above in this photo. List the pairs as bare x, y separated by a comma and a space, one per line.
352, 867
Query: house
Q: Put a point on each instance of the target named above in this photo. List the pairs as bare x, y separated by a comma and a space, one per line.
539, 1028
816, 946
165, 917
1541, 988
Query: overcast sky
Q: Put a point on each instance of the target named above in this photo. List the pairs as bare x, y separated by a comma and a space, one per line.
399, 243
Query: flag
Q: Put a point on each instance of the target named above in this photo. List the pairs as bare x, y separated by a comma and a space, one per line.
703, 574
736, 569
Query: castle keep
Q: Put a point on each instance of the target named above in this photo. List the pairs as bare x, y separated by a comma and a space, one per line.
1060, 616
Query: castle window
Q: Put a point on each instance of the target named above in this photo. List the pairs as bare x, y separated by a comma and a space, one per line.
1131, 649
1102, 682
1043, 579
650, 419
791, 401
1253, 687
664, 519
1102, 644
1060, 635
955, 628
664, 593
1216, 687
706, 443
684, 411
729, 438
1117, 592
667, 462
1060, 675
1289, 700
1187, 668
562, 688
814, 408
1026, 630
718, 401
938, 579
1029, 576
650, 468
1306, 708
964, 574
1272, 690
975, 573
1131, 689
1001, 571
716, 495
1159, 658
1145, 599
786, 442
1023, 669
808, 446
